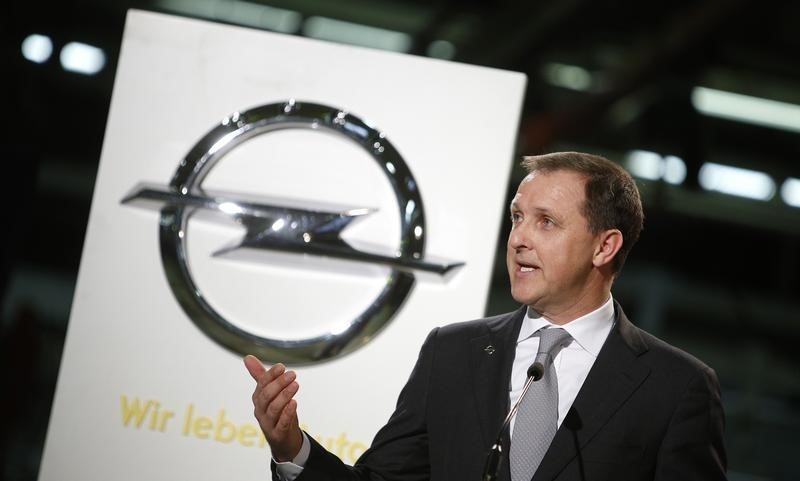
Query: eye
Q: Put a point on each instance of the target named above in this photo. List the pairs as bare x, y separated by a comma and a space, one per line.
547, 222
515, 217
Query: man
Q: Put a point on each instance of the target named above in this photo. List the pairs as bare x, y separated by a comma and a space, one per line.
620, 404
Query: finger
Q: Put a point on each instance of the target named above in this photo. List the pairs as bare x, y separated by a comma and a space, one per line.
254, 367
272, 374
278, 402
264, 397
288, 417
261, 375
275, 396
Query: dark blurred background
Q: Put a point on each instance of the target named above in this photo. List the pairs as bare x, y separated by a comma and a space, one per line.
700, 100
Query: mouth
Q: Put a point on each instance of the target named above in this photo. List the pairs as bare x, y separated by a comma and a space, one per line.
526, 267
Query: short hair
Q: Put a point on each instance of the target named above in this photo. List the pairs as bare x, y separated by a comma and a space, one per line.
612, 198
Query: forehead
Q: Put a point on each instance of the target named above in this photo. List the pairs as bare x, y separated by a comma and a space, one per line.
559, 190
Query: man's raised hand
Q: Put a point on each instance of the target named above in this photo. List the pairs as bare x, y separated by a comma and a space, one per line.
275, 407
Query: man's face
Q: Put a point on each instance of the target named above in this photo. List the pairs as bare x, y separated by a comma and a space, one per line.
550, 248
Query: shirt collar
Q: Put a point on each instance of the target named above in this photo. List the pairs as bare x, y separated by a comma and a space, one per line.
589, 331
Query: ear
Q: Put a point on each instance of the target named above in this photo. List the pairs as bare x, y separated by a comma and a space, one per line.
609, 242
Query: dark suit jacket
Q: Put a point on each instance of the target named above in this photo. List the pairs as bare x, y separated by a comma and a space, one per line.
647, 411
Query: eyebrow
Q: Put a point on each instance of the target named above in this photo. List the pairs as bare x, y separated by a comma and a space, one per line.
538, 210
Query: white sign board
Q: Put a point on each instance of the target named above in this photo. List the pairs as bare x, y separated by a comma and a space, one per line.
143, 392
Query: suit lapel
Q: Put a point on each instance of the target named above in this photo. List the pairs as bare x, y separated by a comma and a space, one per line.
490, 359
616, 374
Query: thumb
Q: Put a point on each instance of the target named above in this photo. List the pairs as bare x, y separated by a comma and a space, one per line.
254, 367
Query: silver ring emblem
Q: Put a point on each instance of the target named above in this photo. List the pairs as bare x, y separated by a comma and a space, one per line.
288, 229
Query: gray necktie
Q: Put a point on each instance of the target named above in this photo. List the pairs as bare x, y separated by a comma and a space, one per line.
537, 418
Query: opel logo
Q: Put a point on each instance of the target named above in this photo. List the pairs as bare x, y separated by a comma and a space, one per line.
270, 225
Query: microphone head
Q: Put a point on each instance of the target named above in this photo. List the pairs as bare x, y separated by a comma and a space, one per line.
536, 371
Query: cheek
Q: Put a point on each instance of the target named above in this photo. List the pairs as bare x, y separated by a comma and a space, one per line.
577, 257
561, 258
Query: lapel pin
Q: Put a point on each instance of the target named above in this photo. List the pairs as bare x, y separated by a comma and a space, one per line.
489, 349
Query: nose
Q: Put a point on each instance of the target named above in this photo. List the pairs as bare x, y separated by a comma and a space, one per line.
517, 239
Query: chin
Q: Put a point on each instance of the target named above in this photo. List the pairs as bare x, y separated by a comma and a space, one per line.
524, 298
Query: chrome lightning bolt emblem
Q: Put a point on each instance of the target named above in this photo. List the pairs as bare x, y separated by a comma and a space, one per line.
272, 224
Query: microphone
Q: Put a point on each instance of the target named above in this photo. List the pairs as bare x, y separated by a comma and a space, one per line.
536, 371
495, 457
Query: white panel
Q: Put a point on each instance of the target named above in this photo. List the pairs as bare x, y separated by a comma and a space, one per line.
454, 124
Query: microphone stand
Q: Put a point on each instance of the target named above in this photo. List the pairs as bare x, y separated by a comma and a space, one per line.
495, 457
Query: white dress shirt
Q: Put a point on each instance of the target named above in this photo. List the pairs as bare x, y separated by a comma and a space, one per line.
572, 363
